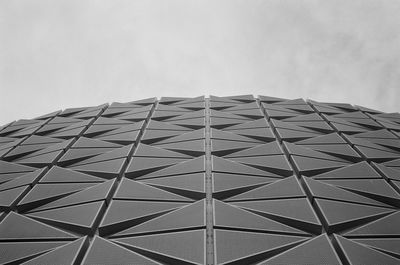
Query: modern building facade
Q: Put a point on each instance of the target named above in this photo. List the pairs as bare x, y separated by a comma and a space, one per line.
218, 180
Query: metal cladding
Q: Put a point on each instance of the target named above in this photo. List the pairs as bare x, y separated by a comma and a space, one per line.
218, 180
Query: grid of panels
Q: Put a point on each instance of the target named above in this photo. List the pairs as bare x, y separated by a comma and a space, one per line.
218, 180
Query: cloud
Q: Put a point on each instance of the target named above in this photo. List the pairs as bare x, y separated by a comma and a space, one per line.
78, 53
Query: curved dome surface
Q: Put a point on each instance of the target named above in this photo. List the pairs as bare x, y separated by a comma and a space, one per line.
218, 180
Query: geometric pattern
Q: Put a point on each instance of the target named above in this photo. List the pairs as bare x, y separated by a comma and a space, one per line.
217, 180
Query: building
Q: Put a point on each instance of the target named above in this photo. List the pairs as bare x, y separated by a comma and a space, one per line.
218, 180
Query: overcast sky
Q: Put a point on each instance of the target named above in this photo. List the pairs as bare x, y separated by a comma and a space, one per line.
60, 54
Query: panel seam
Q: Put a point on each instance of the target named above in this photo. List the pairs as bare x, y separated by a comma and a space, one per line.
210, 255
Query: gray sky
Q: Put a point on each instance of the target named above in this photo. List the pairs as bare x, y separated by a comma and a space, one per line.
59, 54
